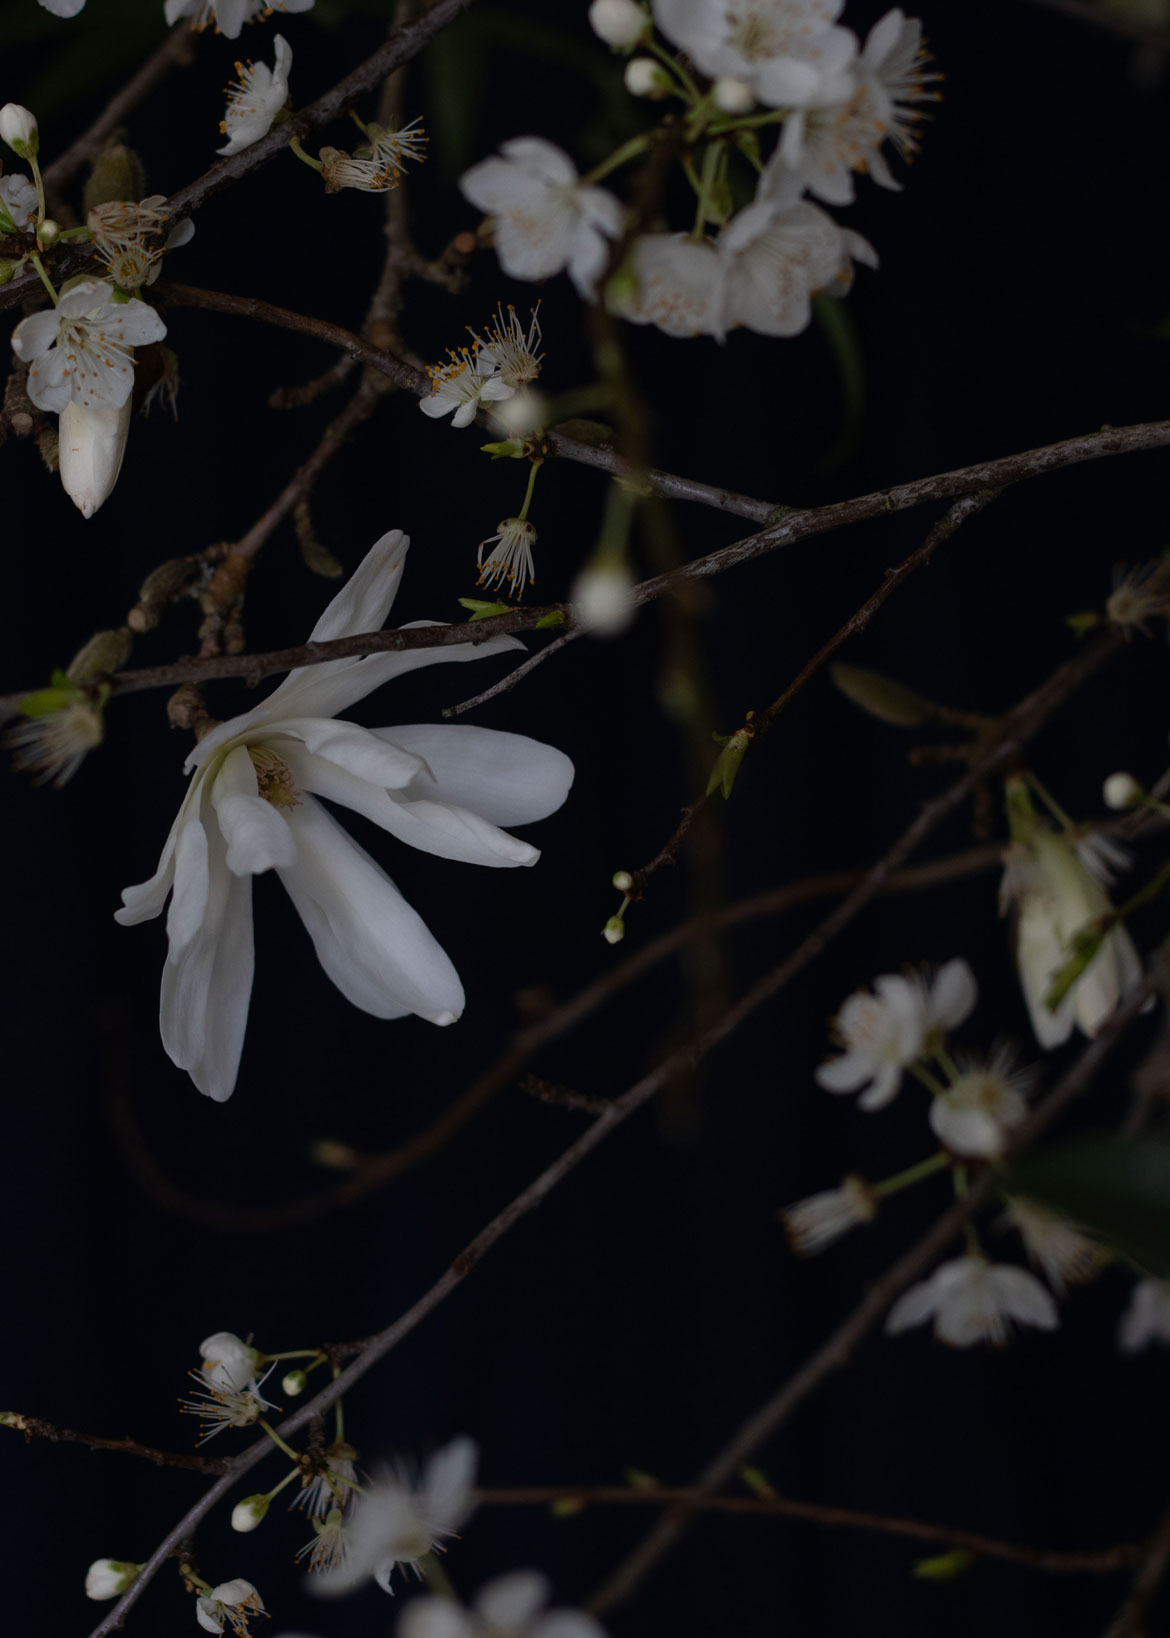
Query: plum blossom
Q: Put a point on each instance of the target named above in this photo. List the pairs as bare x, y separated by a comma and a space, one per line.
788, 51
975, 1114
255, 98
1067, 1256
545, 218
128, 238
815, 1223
511, 1604
18, 204
460, 386
972, 1300
228, 1362
884, 1033
228, 16
671, 281
1147, 1319
109, 1578
253, 805
82, 349
63, 8
509, 556
232, 1601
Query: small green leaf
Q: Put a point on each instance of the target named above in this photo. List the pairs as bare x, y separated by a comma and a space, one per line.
1119, 1188
554, 617
882, 697
484, 611
945, 1566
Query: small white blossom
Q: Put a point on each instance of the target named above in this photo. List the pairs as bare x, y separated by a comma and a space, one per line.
18, 204
63, 8
460, 386
511, 1606
228, 16
788, 51
1147, 1319
972, 1300
884, 1033
620, 23
395, 148
975, 1114
672, 281
510, 556
233, 1601
601, 595
815, 1223
545, 218
1067, 1256
82, 349
221, 1404
255, 97
329, 1547
399, 1520
109, 1578
1121, 790
333, 1487
510, 350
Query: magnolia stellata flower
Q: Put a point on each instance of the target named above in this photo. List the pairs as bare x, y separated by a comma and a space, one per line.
232, 1601
545, 218
511, 1604
815, 1223
461, 385
90, 447
1147, 1319
510, 556
18, 204
82, 349
972, 1300
254, 99
787, 50
253, 805
1067, 1256
229, 16
977, 1111
399, 1520
620, 23
109, 1578
884, 1033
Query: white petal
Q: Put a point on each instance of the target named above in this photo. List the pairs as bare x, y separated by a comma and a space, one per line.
447, 1483
847, 1073
508, 779
567, 1624
34, 335
258, 835
511, 1601
435, 1617
192, 886
953, 994
916, 1306
145, 900
1022, 1296
885, 1085
366, 599
967, 1131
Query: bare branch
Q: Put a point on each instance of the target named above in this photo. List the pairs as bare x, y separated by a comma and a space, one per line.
33, 1427
1129, 1622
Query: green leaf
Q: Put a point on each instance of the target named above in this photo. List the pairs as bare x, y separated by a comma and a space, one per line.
484, 611
944, 1567
882, 697
1117, 1187
554, 617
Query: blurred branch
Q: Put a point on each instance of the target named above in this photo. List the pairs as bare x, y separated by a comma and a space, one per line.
33, 1427
1112, 18
1129, 1622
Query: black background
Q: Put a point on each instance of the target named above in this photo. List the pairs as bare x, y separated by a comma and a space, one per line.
651, 1304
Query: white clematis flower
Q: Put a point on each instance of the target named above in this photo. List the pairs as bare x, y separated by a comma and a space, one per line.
228, 16
399, 1521
972, 1300
511, 1604
884, 1033
545, 218
255, 98
975, 1114
787, 51
232, 1601
252, 806
1147, 1319
82, 349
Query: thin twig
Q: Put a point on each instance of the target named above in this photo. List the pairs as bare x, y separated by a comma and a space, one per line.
34, 1427
517, 674
1129, 1622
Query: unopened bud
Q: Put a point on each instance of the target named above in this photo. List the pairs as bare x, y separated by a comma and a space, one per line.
644, 78
622, 880
116, 174
105, 653
293, 1383
246, 1515
90, 447
7, 269
732, 96
109, 1578
49, 231
601, 593
18, 128
614, 930
522, 414
1121, 790
620, 23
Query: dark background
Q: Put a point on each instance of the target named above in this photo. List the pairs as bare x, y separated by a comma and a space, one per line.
651, 1305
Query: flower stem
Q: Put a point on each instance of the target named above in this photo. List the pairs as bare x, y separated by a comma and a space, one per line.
628, 150
912, 1175
706, 184
294, 143
673, 66
1050, 802
294, 1473
928, 1080
279, 1442
36, 170
523, 512
45, 279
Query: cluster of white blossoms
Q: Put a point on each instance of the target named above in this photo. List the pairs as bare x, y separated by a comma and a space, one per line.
496, 365
131, 239
227, 16
780, 66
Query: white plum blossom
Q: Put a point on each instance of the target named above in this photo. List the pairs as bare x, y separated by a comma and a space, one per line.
509, 559
620, 23
18, 204
1147, 1319
460, 386
109, 1578
509, 349
254, 98
253, 805
228, 1361
884, 1033
817, 1222
975, 1114
222, 1402
972, 1300
545, 218
1067, 1256
232, 1601
328, 1549
333, 1486
399, 1520
788, 51
228, 16
126, 236
394, 148
82, 349
672, 281
511, 1605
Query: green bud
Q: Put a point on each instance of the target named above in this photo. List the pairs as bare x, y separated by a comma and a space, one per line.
637, 1480
49, 231
1082, 624
116, 174
483, 611
883, 698
554, 617
622, 880
7, 268
565, 1506
510, 449
246, 1515
614, 930
735, 748
945, 1567
293, 1383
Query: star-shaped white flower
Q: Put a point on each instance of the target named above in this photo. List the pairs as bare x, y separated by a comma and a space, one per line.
546, 219
787, 51
255, 98
972, 1300
253, 805
228, 16
82, 349
511, 1604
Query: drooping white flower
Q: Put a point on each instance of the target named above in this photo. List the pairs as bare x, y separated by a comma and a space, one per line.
254, 99
395, 148
788, 51
509, 556
82, 349
976, 1113
109, 1578
1147, 1319
545, 218
234, 1601
328, 1548
228, 1361
511, 1605
399, 1520
253, 805
884, 1033
972, 1300
1067, 1256
18, 204
223, 1403
228, 16
815, 1223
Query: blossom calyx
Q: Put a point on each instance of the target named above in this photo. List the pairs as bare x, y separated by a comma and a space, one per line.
109, 1578
646, 78
18, 128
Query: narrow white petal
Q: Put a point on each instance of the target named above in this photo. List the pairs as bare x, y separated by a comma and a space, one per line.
508, 779
257, 834
511, 1601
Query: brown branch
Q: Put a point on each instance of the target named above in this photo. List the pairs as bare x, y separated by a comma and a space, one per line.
33, 1427
1098, 1561
516, 675
1129, 1622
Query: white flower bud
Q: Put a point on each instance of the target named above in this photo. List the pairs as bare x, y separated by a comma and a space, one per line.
620, 23
524, 413
601, 593
91, 444
614, 930
644, 78
18, 128
293, 1383
622, 880
1121, 790
733, 96
246, 1515
227, 1362
109, 1578
49, 231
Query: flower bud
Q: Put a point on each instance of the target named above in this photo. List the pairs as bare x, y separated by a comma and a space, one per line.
620, 23
246, 1515
106, 652
7, 269
644, 78
292, 1384
601, 593
18, 128
614, 930
91, 444
109, 1578
622, 880
732, 96
49, 232
116, 174
1121, 790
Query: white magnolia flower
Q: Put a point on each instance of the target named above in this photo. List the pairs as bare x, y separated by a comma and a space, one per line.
228, 16
460, 386
972, 1300
109, 1578
228, 1362
253, 805
975, 1114
509, 558
18, 204
511, 1605
1067, 1256
82, 349
90, 446
815, 1223
255, 97
884, 1033
1147, 1319
788, 51
232, 1601
63, 8
398, 1520
545, 218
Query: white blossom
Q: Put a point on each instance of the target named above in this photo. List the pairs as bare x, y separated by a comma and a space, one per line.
90, 447
620, 23
18, 204
82, 349
233, 1601
228, 16
1147, 1319
18, 128
672, 281
394, 148
511, 1605
460, 386
545, 218
131, 238
788, 51
885, 1032
109, 1578
53, 744
253, 805
815, 1223
255, 97
399, 1520
509, 558
510, 350
333, 1486
221, 1402
228, 1361
972, 1300
328, 1548
975, 1114
1067, 1256
1120, 791
63, 8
